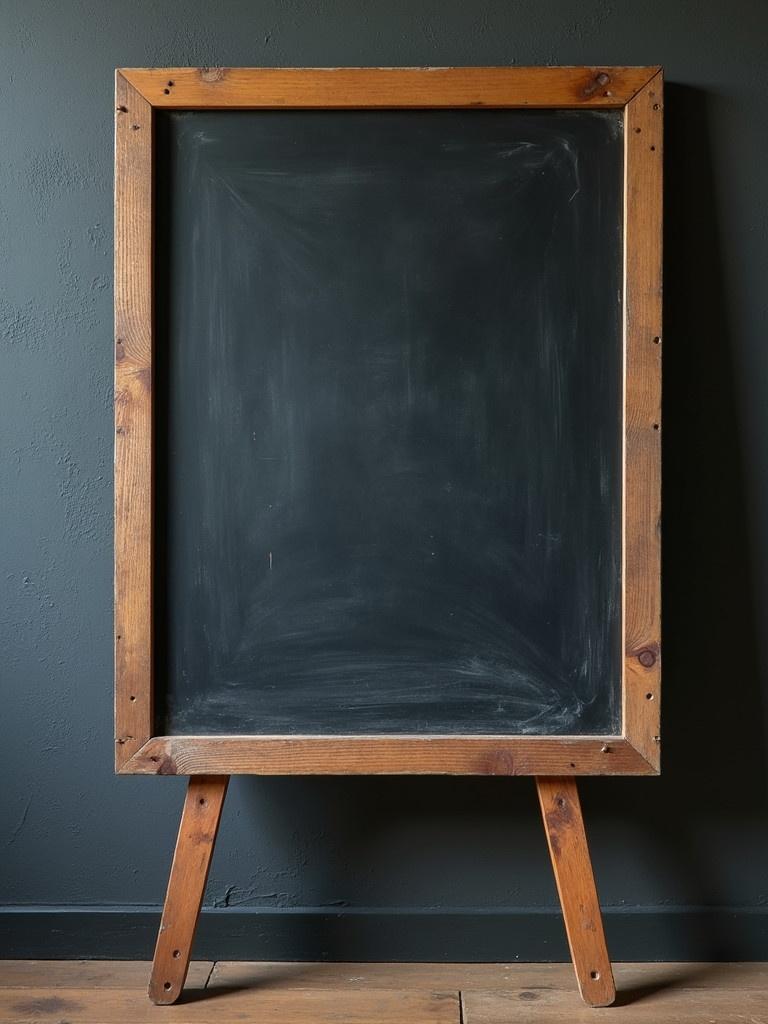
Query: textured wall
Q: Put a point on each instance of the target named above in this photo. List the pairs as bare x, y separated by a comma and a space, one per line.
74, 834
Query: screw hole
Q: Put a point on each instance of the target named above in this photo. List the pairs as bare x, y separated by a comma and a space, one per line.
649, 696
201, 801
122, 110
653, 148
132, 698
560, 802
170, 84
167, 91
657, 340
176, 954
135, 127
572, 764
607, 93
594, 975
655, 106
655, 426
638, 130
167, 986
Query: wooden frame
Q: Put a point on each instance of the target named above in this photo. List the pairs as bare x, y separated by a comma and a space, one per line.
636, 91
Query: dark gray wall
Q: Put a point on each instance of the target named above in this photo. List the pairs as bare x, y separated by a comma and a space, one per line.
73, 834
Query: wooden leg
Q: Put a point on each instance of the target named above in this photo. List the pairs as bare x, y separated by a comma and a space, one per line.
564, 825
189, 873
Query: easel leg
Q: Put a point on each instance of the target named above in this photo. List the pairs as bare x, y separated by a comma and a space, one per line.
189, 873
564, 825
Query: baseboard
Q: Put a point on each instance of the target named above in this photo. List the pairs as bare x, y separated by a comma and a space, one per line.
244, 933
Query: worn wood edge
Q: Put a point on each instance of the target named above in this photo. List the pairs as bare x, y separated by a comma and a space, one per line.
133, 457
641, 572
426, 87
652, 71
386, 755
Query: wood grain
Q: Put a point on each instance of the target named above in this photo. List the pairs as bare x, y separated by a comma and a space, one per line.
376, 993
91, 974
630, 978
256, 88
666, 1007
133, 420
189, 873
119, 1006
387, 755
642, 480
564, 826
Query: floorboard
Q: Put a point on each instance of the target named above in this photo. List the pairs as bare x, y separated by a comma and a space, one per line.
89, 973
97, 992
730, 977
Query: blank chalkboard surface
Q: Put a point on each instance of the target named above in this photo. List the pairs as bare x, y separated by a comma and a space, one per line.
388, 422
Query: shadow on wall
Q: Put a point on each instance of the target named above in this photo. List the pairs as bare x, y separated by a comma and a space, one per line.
714, 699
713, 745
477, 842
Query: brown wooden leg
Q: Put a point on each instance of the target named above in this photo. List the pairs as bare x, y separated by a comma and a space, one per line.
189, 873
564, 825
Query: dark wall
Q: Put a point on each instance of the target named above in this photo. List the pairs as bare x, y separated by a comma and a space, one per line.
682, 860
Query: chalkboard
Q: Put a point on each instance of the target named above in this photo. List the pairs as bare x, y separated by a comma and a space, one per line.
388, 422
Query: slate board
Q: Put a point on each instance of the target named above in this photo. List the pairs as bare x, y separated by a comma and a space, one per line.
388, 418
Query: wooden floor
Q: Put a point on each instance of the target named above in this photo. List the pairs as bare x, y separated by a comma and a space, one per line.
108, 992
